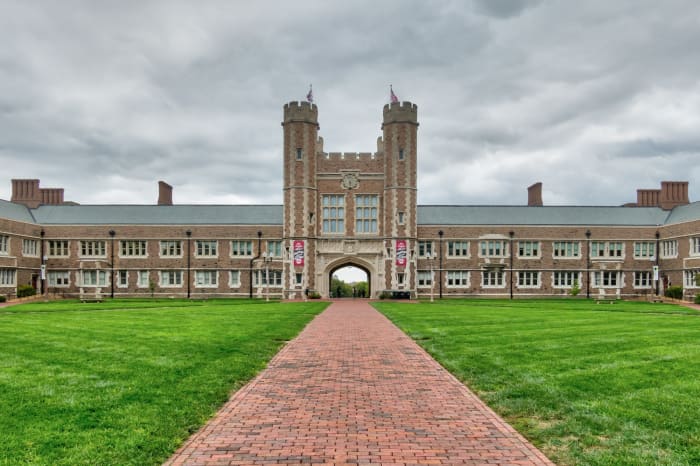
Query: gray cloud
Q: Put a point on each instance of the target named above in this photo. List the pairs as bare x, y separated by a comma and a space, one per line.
595, 100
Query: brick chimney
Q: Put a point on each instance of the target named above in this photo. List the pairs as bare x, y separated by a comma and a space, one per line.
29, 193
648, 197
534, 195
673, 193
165, 193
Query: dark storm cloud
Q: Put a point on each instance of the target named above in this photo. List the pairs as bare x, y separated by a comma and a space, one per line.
594, 99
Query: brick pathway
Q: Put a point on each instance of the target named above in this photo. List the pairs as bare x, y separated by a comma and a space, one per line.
353, 389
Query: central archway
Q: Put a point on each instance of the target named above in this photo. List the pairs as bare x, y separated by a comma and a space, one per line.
348, 262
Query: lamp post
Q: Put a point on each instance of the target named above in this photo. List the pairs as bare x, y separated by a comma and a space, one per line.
42, 272
267, 258
511, 234
250, 281
440, 233
189, 254
432, 277
111, 265
588, 264
658, 272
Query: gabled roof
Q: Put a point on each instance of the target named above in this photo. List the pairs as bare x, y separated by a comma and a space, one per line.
18, 212
541, 215
159, 214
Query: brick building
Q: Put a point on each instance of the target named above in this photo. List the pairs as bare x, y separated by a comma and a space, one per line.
345, 209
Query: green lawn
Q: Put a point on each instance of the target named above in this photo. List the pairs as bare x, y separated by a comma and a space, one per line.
126, 382
589, 384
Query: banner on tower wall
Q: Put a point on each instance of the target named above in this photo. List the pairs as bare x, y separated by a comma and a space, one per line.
401, 252
298, 249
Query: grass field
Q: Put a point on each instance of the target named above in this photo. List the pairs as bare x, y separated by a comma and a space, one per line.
589, 384
125, 382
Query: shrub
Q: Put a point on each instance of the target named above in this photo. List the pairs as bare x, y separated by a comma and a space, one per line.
675, 292
697, 299
385, 295
315, 295
575, 289
25, 290
2, 299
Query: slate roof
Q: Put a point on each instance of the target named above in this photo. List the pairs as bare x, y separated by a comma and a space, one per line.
546, 215
18, 212
684, 213
159, 214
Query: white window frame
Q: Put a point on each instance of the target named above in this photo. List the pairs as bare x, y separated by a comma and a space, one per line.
58, 278
92, 248
689, 278
493, 248
642, 279
566, 249
528, 279
494, 276
8, 277
203, 278
260, 278
4, 245
602, 279
241, 248
234, 278
170, 278
669, 249
140, 282
171, 249
458, 249
366, 214
424, 278
274, 248
98, 278
529, 249
122, 274
425, 249
644, 250
565, 279
607, 249
133, 248
30, 248
206, 248
694, 245
58, 248
333, 214
457, 279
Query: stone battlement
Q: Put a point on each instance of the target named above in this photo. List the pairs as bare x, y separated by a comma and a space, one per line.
401, 112
300, 111
348, 155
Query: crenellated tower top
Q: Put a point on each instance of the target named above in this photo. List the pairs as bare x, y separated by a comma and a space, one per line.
403, 112
300, 112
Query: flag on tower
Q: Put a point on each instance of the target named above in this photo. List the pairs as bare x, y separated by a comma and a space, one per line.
394, 99
310, 95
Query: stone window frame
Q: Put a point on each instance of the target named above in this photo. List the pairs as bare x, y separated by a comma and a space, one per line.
4, 245
465, 246
238, 245
533, 276
534, 246
563, 246
424, 278
231, 282
492, 274
101, 278
139, 278
8, 277
333, 203
92, 248
644, 250
374, 204
669, 249
129, 248
462, 276
58, 248
58, 278
30, 247
166, 246
565, 276
207, 274
206, 248
489, 244
599, 279
177, 283
642, 279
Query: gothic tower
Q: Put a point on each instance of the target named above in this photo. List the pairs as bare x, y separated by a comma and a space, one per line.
300, 127
400, 129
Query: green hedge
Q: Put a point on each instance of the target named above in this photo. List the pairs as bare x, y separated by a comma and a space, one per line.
25, 290
2, 299
675, 292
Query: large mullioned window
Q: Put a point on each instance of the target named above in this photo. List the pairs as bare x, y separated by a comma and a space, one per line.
366, 213
333, 213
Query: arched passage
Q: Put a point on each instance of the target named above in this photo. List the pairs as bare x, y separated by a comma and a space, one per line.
348, 262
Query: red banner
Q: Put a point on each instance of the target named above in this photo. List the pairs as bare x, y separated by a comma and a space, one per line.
401, 252
298, 253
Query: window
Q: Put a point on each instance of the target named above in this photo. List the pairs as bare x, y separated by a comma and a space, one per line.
695, 245
241, 248
205, 248
566, 249
401, 154
143, 279
274, 248
642, 279
298, 278
565, 279
7, 277
93, 278
58, 278
690, 278
528, 279
234, 278
171, 278
400, 278
30, 247
425, 249
458, 248
425, 278
171, 249
493, 248
89, 248
401, 218
58, 248
206, 278
4, 244
606, 279
644, 249
300, 153
606, 249
528, 248
132, 248
669, 249
261, 277
333, 213
492, 279
366, 213
122, 278
457, 278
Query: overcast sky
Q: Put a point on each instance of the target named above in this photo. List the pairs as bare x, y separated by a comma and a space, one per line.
595, 99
